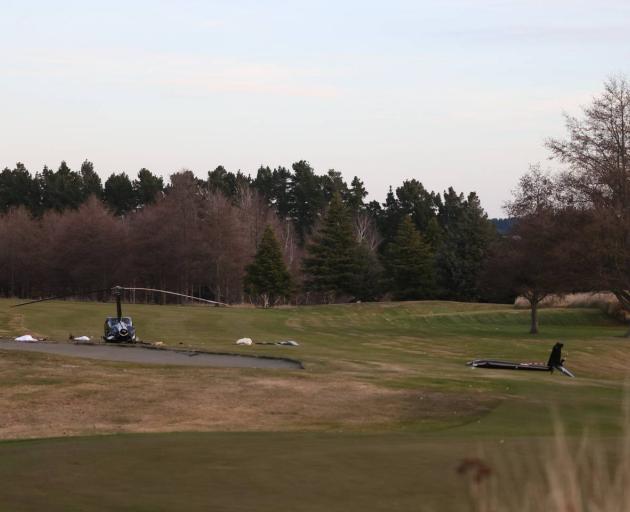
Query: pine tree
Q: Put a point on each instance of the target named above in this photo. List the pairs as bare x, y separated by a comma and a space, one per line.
147, 187
307, 198
18, 188
91, 184
369, 276
356, 195
119, 194
267, 277
333, 183
411, 198
61, 189
466, 235
410, 264
333, 261
228, 183
263, 183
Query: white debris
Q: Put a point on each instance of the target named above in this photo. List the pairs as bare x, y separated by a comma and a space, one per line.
158, 343
82, 338
289, 343
244, 341
26, 338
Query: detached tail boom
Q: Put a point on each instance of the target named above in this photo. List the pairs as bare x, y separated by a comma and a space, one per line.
555, 362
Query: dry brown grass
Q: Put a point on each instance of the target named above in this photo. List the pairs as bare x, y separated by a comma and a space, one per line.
574, 300
44, 396
606, 301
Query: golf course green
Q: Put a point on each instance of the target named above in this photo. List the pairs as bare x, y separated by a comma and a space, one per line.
380, 418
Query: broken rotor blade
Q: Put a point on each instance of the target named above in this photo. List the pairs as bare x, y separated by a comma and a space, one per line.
178, 295
60, 297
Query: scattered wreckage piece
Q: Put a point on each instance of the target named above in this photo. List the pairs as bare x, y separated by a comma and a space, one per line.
285, 343
555, 362
288, 343
27, 338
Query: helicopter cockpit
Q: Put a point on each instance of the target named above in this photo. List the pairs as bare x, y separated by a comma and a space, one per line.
119, 329
112, 321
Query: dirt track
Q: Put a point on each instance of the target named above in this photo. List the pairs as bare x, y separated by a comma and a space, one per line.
144, 355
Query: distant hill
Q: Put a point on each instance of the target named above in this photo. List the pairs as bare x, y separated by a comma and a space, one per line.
504, 226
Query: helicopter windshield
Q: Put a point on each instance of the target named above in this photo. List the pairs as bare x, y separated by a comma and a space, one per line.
111, 322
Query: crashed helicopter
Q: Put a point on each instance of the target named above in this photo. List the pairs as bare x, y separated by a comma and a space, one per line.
120, 329
555, 362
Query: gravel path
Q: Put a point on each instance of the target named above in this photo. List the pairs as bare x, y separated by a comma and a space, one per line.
147, 355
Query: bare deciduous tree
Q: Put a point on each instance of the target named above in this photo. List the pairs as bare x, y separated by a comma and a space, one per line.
21, 244
597, 154
366, 232
536, 192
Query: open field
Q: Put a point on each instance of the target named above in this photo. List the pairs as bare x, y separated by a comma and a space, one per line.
378, 420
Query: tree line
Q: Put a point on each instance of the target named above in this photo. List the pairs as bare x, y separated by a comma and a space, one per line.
295, 235
282, 235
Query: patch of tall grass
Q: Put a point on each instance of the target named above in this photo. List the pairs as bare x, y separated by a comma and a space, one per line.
588, 474
606, 301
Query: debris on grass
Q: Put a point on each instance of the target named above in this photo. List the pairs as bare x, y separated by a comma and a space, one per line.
288, 343
27, 338
244, 341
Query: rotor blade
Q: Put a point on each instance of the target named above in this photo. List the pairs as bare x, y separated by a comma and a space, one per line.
178, 294
564, 371
60, 297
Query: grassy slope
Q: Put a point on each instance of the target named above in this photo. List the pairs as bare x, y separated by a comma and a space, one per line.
413, 346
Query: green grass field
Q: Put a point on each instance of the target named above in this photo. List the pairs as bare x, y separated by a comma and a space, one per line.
378, 420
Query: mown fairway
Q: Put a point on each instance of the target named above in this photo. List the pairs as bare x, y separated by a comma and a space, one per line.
378, 420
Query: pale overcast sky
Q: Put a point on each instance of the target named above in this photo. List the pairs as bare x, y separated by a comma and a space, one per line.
449, 92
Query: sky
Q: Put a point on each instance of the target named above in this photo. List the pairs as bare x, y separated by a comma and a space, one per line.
449, 92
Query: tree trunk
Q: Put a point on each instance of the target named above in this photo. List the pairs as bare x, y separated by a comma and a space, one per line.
534, 326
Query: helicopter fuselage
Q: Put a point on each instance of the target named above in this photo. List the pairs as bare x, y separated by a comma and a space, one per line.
119, 330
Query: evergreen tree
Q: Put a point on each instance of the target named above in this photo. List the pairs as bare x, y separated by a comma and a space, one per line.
267, 277
274, 186
263, 183
227, 182
418, 202
307, 198
18, 188
374, 209
147, 187
61, 189
410, 264
220, 180
389, 218
119, 194
465, 237
433, 233
356, 195
91, 184
333, 183
282, 191
369, 285
332, 264
411, 198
